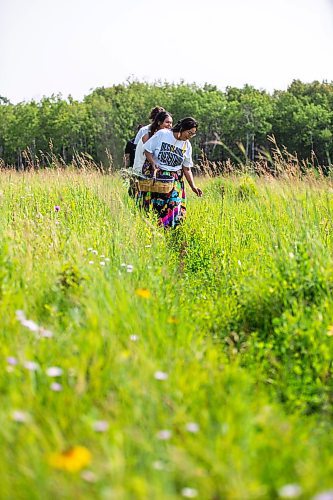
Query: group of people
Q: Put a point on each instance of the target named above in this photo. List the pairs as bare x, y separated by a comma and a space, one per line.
161, 157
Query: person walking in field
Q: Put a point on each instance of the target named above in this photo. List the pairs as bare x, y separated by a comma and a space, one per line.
169, 155
131, 144
163, 120
129, 152
144, 130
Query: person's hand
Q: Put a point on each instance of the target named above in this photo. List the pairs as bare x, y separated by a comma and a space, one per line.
155, 168
197, 191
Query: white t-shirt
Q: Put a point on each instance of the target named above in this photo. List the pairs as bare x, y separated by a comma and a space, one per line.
169, 153
143, 131
139, 158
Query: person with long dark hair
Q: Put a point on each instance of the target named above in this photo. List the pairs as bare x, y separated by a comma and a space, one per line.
169, 155
144, 130
162, 120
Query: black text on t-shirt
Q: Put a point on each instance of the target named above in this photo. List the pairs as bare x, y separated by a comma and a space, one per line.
170, 156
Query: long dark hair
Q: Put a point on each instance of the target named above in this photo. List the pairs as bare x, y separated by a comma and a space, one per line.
154, 112
160, 117
185, 124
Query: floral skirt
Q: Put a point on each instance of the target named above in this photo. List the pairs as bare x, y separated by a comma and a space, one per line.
170, 208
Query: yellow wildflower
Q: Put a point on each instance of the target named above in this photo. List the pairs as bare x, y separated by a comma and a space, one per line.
330, 331
143, 292
71, 460
124, 355
172, 320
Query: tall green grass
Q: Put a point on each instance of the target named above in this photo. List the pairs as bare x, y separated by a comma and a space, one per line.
219, 332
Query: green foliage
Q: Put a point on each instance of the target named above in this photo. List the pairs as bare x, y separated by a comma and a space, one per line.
247, 188
233, 124
219, 332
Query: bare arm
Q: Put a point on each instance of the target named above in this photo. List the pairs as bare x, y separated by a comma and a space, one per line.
151, 160
189, 177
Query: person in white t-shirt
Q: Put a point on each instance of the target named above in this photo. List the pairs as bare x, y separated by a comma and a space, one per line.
163, 120
169, 154
144, 130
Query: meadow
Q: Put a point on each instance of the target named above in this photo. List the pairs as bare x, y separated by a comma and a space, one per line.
138, 363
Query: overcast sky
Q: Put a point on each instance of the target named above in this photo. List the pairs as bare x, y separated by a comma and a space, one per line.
74, 46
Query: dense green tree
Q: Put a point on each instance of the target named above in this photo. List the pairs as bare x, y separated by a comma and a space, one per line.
233, 123
303, 120
248, 119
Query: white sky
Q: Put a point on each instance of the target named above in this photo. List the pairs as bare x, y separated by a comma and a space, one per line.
74, 46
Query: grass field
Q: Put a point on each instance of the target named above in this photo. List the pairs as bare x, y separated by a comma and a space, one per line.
143, 364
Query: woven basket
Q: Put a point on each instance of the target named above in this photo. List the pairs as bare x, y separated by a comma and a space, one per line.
155, 186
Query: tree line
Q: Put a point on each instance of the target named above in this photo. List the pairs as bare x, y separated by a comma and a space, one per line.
233, 124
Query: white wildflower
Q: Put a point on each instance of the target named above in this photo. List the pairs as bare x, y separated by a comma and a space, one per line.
290, 491
31, 366
324, 495
89, 476
47, 334
20, 316
54, 371
56, 387
12, 361
192, 427
31, 325
100, 426
134, 338
20, 416
189, 492
160, 375
164, 435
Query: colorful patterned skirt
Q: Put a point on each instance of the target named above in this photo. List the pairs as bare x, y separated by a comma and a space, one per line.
169, 207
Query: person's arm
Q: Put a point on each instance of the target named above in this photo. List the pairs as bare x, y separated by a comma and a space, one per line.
187, 164
151, 160
143, 130
149, 147
145, 138
189, 177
